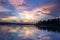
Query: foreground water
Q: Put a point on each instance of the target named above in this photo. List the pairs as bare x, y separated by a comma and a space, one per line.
26, 32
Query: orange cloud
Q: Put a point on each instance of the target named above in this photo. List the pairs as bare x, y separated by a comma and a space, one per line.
12, 17
4, 19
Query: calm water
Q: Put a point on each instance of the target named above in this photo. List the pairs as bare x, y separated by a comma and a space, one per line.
26, 32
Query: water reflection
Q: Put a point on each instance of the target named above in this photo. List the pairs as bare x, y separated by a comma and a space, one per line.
26, 32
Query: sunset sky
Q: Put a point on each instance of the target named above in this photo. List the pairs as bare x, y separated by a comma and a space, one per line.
28, 11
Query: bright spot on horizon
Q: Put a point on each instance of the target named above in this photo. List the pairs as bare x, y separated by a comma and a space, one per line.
28, 17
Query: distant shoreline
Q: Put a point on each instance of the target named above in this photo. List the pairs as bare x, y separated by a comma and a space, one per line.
7, 23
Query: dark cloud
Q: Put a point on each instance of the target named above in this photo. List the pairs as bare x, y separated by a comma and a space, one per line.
55, 11
5, 14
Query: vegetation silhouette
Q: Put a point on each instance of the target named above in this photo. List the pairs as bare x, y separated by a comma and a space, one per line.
11, 23
50, 22
50, 25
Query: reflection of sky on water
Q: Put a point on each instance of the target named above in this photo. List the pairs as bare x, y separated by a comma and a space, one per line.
26, 33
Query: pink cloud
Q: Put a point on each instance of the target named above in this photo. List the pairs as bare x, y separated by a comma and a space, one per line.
18, 4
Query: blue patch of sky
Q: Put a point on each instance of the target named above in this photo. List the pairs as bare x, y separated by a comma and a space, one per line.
40, 2
8, 6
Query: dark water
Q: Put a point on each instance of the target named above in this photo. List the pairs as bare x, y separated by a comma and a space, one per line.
26, 32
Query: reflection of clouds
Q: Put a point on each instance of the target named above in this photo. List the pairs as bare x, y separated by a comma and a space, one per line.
4, 28
44, 37
14, 30
26, 32
29, 31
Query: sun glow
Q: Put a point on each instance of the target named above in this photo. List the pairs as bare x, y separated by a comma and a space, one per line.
28, 17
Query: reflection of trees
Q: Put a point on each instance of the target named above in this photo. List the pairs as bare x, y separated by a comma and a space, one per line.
53, 29
50, 24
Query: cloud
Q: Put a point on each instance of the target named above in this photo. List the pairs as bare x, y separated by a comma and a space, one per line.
46, 9
56, 11
26, 12
2, 9
5, 14
18, 4
32, 16
39, 13
10, 19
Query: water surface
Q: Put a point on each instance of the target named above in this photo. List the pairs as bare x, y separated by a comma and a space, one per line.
26, 32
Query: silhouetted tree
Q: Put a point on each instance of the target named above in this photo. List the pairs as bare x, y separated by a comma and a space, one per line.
50, 22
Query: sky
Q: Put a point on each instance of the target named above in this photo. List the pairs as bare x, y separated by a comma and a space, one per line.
28, 11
